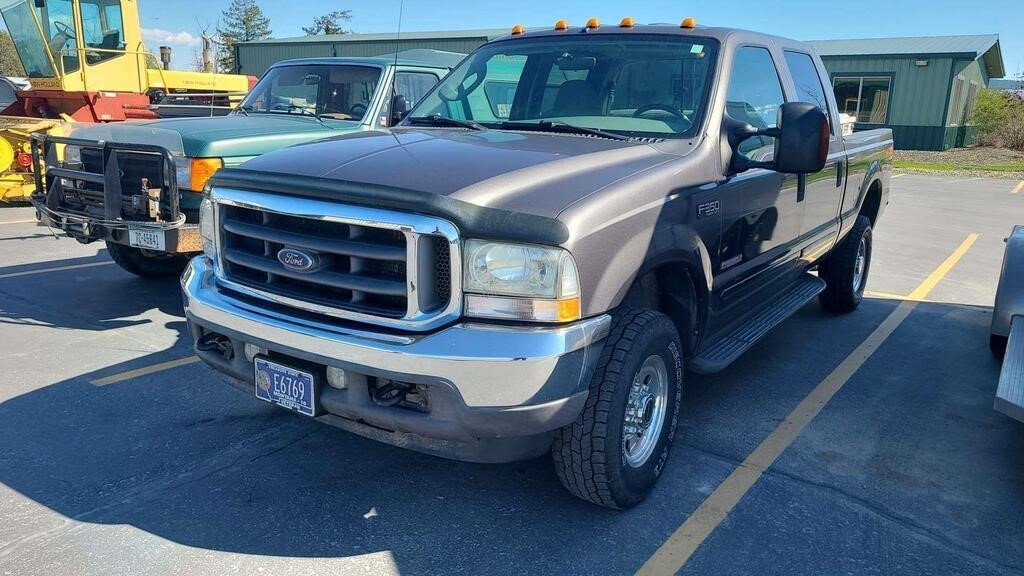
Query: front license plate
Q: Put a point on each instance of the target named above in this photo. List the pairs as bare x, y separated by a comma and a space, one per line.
284, 386
151, 239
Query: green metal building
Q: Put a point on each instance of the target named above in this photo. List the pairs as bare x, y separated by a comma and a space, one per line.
255, 57
923, 88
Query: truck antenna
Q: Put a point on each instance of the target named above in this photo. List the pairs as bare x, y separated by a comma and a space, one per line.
394, 69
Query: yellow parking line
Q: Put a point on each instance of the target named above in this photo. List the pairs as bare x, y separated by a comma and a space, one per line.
55, 269
114, 378
19, 222
1018, 188
944, 268
674, 553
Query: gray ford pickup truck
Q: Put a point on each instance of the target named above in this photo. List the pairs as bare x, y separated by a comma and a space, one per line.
557, 232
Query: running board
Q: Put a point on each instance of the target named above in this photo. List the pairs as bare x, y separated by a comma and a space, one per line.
726, 350
1010, 394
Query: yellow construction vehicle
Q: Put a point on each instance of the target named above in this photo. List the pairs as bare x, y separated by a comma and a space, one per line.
86, 62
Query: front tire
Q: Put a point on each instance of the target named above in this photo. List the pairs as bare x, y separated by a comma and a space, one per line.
845, 270
145, 263
614, 452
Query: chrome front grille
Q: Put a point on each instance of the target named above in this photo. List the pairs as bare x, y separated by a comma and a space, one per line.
368, 265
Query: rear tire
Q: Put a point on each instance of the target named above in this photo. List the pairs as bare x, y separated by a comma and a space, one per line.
147, 264
614, 452
845, 270
998, 345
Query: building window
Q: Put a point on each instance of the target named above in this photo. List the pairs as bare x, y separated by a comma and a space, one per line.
866, 98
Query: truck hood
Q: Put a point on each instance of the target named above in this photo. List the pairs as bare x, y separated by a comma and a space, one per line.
534, 173
226, 137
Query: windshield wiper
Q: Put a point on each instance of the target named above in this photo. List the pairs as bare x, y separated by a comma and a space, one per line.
561, 127
438, 120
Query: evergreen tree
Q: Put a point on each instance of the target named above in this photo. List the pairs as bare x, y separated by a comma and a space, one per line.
243, 22
329, 23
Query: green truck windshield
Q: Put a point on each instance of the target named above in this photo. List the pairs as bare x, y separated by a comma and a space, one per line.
339, 92
652, 86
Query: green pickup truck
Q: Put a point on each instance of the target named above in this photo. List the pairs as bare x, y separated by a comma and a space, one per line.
137, 186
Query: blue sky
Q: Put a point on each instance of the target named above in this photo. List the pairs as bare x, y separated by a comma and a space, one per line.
800, 19
178, 23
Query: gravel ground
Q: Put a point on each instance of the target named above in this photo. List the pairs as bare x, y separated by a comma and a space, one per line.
975, 155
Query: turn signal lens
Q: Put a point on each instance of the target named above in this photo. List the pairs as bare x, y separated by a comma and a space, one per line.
523, 309
690, 22
202, 169
562, 25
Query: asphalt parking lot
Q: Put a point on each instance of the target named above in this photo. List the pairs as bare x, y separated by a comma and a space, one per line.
857, 444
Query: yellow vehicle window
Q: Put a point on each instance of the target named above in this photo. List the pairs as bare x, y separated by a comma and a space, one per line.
102, 29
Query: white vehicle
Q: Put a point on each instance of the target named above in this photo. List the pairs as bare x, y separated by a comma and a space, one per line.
1007, 339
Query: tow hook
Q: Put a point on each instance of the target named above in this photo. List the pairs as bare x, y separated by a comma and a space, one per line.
214, 342
389, 392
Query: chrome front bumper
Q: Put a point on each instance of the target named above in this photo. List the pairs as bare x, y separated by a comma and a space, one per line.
486, 382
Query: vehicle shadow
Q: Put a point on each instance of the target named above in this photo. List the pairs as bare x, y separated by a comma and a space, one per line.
86, 293
180, 455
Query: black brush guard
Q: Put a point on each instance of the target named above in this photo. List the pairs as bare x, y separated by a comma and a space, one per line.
116, 187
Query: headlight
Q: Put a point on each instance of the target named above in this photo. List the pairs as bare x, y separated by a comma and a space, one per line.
207, 229
520, 282
194, 173
72, 154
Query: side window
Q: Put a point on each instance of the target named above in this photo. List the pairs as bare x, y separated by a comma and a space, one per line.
755, 96
102, 30
807, 81
414, 85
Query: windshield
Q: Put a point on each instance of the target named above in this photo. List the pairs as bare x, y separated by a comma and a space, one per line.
25, 33
339, 92
649, 86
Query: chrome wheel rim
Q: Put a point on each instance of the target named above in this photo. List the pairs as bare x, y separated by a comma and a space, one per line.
645, 411
860, 265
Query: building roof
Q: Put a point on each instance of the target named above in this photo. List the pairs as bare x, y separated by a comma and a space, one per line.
420, 57
488, 33
977, 46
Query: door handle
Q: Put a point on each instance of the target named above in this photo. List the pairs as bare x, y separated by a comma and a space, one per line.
839, 174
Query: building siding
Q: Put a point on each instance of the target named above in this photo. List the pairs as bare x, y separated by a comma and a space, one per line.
919, 94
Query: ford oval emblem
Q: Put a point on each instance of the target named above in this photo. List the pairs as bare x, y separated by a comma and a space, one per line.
298, 260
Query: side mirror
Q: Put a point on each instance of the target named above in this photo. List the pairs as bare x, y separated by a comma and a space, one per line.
399, 108
801, 140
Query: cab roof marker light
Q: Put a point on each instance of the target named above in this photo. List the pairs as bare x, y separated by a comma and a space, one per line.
627, 22
518, 29
562, 25
593, 24
689, 22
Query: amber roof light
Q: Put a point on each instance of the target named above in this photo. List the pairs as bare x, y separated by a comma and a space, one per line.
626, 22
518, 29
562, 25
689, 22
593, 23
